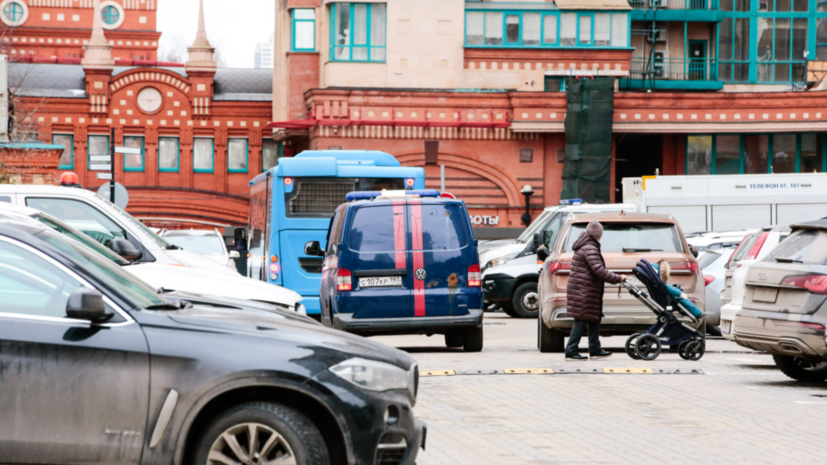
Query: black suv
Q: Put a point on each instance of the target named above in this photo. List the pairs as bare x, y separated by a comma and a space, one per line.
97, 368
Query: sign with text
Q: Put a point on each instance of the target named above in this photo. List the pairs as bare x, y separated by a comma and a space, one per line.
128, 150
100, 167
105, 176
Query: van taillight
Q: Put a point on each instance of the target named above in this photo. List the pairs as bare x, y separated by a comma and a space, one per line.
756, 247
474, 276
344, 282
815, 283
691, 267
559, 267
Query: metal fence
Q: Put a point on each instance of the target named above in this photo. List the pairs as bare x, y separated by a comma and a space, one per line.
675, 69
674, 4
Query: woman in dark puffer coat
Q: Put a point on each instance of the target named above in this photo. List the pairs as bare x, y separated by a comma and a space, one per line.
584, 292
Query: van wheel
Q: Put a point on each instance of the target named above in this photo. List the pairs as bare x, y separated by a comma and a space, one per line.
549, 340
801, 369
526, 301
258, 432
472, 339
453, 339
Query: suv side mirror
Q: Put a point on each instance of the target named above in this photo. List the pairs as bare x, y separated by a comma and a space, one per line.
694, 251
234, 254
87, 304
313, 249
538, 241
543, 253
125, 249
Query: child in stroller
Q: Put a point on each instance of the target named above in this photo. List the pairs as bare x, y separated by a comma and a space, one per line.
669, 329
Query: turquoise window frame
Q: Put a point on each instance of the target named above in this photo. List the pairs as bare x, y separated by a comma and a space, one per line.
212, 156
294, 21
177, 156
64, 134
108, 145
246, 155
110, 15
143, 154
543, 15
350, 46
822, 137
16, 11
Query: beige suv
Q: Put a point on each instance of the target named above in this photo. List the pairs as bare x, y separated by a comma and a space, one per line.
627, 238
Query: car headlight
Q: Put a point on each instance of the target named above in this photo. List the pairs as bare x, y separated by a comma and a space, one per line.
502, 260
373, 375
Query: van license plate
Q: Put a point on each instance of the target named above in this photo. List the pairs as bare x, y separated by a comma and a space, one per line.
765, 294
384, 281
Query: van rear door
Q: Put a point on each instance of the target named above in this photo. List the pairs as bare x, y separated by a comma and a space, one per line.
377, 255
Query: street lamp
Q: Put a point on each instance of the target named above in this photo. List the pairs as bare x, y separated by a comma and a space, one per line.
527, 191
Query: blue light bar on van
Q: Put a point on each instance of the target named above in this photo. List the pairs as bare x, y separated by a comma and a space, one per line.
571, 202
369, 195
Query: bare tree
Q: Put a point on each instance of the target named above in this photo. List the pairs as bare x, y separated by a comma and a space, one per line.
175, 50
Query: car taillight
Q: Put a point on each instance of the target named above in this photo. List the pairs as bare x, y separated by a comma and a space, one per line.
708, 279
343, 280
815, 326
474, 276
756, 247
691, 267
815, 283
559, 267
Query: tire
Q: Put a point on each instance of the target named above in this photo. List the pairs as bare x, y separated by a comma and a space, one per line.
549, 340
630, 347
801, 369
526, 301
297, 435
647, 346
508, 309
453, 339
472, 339
692, 349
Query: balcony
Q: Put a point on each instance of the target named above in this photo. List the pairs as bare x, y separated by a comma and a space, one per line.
676, 10
672, 74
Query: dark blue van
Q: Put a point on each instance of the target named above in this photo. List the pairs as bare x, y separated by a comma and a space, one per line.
402, 262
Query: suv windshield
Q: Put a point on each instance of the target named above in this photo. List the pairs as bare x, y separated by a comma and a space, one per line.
630, 237
73, 233
803, 246
535, 226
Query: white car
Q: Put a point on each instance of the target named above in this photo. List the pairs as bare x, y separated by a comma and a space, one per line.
713, 263
209, 244
105, 221
718, 240
171, 277
754, 247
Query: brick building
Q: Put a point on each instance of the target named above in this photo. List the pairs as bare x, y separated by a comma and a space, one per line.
47, 29
702, 87
199, 128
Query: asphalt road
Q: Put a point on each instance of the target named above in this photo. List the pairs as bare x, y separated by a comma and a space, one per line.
736, 407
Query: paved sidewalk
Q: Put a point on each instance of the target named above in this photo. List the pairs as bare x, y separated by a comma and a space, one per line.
741, 410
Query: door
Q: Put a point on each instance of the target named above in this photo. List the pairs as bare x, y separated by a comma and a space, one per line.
70, 391
697, 60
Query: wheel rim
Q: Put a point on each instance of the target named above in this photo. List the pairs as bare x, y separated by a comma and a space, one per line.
251, 444
531, 301
810, 365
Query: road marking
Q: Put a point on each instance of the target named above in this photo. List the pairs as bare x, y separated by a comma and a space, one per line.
805, 402
437, 373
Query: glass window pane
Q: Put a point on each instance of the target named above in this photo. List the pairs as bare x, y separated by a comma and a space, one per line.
810, 162
782, 39
568, 29
372, 230
493, 29
342, 24
304, 13
799, 38
765, 40
727, 5
237, 154
765, 72
360, 24
725, 40
130, 160
765, 5
620, 30
67, 142
305, 35
531, 29
168, 153
741, 43
782, 72
377, 24
585, 30
783, 153
474, 24
550, 29
512, 29
98, 145
202, 153
602, 29
727, 154
756, 149
783, 5
269, 154
698, 154
822, 6
801, 5
740, 72
360, 53
725, 72
377, 54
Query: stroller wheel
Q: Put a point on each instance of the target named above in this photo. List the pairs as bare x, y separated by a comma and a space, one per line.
692, 349
648, 346
630, 346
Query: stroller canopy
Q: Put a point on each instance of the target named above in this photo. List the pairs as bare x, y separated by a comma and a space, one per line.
657, 288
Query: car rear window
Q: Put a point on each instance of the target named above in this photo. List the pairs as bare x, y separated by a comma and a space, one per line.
654, 237
803, 246
443, 227
707, 259
746, 245
372, 230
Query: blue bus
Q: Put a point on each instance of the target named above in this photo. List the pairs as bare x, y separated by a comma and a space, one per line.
292, 204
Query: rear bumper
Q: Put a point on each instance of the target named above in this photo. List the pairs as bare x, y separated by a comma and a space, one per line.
617, 320
778, 333
728, 314
413, 325
498, 287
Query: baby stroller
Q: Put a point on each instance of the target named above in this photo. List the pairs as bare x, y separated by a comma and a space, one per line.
668, 330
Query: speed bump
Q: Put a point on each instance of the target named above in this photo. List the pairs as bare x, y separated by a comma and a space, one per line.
564, 371
437, 373
529, 371
634, 371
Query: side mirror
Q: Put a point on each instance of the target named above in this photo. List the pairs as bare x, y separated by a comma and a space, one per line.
694, 251
125, 249
234, 254
538, 241
543, 253
87, 304
313, 249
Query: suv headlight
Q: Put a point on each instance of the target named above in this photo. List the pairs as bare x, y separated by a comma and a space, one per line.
502, 260
373, 375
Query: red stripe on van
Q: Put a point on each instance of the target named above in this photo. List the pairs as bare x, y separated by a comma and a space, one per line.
399, 233
418, 259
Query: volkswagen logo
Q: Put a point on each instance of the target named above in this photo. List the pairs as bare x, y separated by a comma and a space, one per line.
420, 274
624, 262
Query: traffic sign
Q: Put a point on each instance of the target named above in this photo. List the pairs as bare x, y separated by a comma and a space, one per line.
100, 167
105, 176
121, 195
127, 150
100, 158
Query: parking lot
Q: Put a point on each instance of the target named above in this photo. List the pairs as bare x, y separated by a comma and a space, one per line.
738, 408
